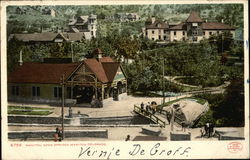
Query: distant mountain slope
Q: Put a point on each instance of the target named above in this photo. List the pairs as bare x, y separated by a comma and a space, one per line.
35, 21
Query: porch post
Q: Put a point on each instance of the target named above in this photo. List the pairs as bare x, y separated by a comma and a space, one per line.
63, 106
102, 92
71, 88
126, 87
96, 88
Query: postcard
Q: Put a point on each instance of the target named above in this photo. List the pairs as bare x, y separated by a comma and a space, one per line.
124, 79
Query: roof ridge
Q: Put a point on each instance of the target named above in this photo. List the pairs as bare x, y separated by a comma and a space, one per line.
194, 17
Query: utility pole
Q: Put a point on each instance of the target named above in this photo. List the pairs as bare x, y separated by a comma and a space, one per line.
72, 56
63, 84
222, 42
163, 81
172, 118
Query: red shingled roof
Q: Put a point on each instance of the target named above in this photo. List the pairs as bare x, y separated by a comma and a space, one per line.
216, 25
104, 68
110, 69
194, 17
99, 68
33, 72
158, 24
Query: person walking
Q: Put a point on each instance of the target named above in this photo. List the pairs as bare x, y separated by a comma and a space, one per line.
142, 107
168, 117
128, 138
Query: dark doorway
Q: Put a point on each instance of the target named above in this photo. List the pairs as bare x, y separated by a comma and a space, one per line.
83, 94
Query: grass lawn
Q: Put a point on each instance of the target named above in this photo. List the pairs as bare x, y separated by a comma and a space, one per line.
25, 107
148, 94
198, 100
23, 110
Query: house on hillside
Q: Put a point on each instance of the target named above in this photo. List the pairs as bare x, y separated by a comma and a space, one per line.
85, 24
156, 30
125, 17
132, 17
48, 37
93, 82
49, 11
192, 30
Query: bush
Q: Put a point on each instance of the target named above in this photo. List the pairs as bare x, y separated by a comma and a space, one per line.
207, 117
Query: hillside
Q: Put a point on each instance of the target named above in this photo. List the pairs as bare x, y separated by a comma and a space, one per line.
35, 21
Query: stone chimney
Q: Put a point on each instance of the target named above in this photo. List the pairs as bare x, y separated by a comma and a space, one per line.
21, 58
153, 19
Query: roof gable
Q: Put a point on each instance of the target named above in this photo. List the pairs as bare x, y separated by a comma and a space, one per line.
101, 69
158, 24
119, 75
61, 36
194, 17
110, 69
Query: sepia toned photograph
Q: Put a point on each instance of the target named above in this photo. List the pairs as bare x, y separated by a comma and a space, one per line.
126, 73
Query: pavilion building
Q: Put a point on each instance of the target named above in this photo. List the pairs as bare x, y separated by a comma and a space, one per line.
92, 81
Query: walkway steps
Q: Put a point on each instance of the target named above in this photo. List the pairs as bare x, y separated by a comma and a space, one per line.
157, 119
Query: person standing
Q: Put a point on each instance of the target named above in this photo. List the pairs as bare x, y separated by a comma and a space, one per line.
128, 138
142, 107
168, 117
207, 129
210, 129
59, 133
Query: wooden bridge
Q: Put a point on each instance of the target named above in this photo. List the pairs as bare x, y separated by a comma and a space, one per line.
159, 117
153, 117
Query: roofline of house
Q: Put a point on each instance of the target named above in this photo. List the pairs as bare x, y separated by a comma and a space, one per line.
124, 73
177, 29
93, 73
156, 28
74, 70
202, 29
32, 83
219, 29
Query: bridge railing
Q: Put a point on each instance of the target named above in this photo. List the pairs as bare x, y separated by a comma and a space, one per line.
177, 119
149, 115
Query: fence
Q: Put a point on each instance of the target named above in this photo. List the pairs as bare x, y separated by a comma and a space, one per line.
149, 115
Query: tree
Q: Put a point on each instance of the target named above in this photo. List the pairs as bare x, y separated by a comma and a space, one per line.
238, 50
127, 47
223, 41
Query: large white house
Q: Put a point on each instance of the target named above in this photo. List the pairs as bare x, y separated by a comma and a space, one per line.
85, 24
192, 30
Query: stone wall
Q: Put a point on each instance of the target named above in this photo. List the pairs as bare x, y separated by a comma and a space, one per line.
50, 134
115, 120
180, 136
126, 120
36, 120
